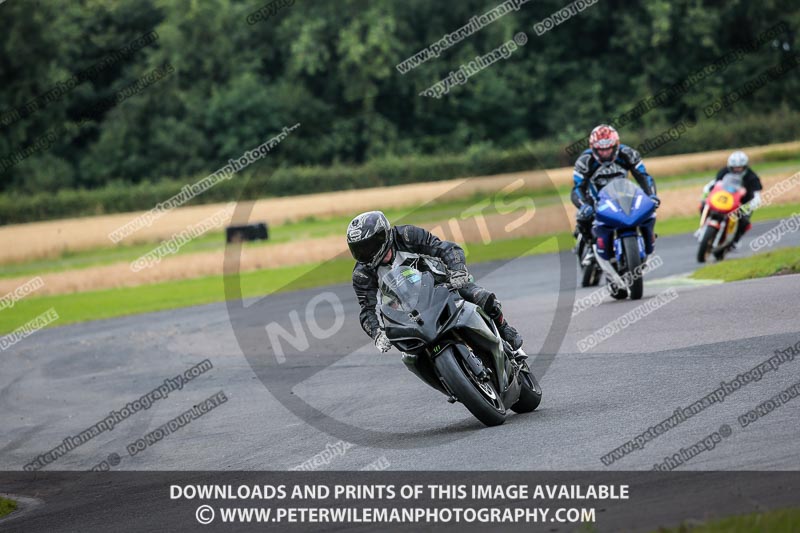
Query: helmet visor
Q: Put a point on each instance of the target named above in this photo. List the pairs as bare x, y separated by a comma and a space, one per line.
367, 250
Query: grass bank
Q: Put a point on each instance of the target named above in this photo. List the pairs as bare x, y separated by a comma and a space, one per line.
781, 521
313, 227
7, 506
775, 263
94, 305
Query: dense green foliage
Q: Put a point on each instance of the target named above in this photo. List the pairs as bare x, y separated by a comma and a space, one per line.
330, 66
18, 207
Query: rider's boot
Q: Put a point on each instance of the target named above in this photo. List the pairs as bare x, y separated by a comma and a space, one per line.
507, 332
744, 225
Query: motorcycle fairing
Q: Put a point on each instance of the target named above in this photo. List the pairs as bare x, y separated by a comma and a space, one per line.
435, 312
623, 204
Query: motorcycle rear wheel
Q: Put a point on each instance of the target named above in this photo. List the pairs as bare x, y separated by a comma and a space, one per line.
530, 395
591, 275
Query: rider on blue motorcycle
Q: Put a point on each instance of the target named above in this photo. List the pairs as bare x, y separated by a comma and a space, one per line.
605, 160
376, 245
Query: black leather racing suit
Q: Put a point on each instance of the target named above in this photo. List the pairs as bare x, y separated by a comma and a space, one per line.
421, 242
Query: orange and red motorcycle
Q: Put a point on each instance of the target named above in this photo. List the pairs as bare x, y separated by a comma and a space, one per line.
720, 218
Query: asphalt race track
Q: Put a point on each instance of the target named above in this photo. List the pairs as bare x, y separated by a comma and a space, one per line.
61, 381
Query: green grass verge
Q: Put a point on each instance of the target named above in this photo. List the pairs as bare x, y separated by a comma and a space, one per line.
7, 506
80, 307
781, 261
313, 227
294, 231
94, 305
781, 521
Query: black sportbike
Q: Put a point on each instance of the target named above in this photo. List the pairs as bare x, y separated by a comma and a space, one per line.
452, 345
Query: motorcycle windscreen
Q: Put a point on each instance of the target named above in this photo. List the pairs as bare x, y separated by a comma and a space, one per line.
732, 182
622, 203
402, 286
621, 191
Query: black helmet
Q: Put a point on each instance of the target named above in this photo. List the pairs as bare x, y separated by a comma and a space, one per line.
369, 237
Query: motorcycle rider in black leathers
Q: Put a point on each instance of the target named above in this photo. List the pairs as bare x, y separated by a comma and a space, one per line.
605, 160
737, 164
375, 244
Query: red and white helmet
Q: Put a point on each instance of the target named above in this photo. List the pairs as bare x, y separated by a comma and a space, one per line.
604, 142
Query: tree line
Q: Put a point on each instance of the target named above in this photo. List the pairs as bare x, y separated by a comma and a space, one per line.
234, 73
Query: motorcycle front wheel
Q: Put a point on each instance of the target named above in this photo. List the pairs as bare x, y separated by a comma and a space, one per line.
479, 397
633, 261
706, 242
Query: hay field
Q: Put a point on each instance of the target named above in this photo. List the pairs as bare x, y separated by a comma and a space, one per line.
548, 219
40, 240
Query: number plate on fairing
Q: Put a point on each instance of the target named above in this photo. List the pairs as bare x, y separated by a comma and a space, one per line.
721, 201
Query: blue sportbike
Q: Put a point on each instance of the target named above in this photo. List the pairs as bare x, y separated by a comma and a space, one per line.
622, 209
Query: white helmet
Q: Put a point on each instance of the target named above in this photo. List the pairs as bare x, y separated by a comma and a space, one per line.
737, 159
